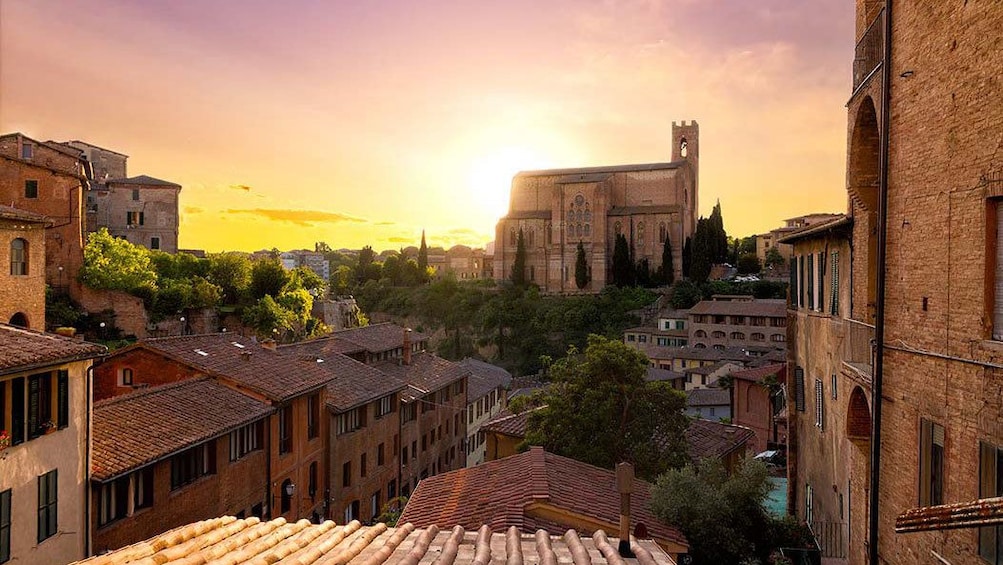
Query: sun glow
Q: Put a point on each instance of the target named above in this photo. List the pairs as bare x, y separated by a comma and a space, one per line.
490, 176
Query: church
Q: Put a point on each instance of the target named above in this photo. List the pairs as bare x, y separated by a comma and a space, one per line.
558, 208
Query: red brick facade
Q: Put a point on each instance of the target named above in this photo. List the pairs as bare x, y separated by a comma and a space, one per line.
22, 294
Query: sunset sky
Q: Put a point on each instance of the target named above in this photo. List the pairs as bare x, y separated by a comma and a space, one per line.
363, 122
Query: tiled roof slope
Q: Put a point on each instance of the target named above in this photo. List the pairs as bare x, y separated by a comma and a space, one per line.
602, 169
708, 439
503, 493
765, 307
708, 397
17, 214
232, 541
23, 349
657, 375
135, 429
696, 353
144, 180
377, 337
759, 373
484, 377
355, 383
427, 371
508, 423
278, 375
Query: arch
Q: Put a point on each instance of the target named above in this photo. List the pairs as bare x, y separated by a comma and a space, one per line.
758, 337
863, 170
718, 335
663, 232
19, 257
19, 319
683, 147
588, 230
700, 346
738, 335
858, 419
700, 333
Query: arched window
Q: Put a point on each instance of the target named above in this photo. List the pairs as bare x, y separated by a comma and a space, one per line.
578, 230
588, 230
287, 496
19, 320
640, 233
758, 337
571, 215
700, 346
683, 149
778, 338
737, 335
700, 333
579, 216
718, 335
19, 257
588, 214
532, 236
663, 233
512, 237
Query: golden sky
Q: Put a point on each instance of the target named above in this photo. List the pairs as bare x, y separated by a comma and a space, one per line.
360, 123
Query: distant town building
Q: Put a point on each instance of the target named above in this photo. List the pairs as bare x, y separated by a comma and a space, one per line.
771, 239
709, 403
759, 403
558, 208
486, 398
312, 260
738, 321
22, 268
142, 210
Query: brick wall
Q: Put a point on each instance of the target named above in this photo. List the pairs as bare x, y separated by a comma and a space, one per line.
350, 447
23, 294
130, 313
295, 465
148, 369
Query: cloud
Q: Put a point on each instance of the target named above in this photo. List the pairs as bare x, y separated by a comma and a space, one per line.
400, 240
192, 210
305, 218
243, 187
385, 224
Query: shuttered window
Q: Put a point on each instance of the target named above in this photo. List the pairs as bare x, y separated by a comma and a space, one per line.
998, 281
819, 405
931, 463
793, 283
799, 389
48, 504
17, 411
801, 292
990, 485
820, 282
5, 526
63, 399
834, 285
811, 281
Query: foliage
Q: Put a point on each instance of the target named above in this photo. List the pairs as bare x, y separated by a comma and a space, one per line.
628, 418
231, 272
392, 510
666, 272
774, 260
684, 294
623, 268
267, 317
366, 269
748, 263
341, 280
60, 310
581, 267
268, 276
205, 294
305, 277
111, 263
170, 299
701, 251
722, 516
642, 274
423, 258
519, 264
687, 256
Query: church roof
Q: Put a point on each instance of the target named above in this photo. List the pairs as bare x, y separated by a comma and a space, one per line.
606, 169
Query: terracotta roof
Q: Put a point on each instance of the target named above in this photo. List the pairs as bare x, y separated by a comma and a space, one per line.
654, 374
605, 169
229, 540
507, 492
757, 374
695, 353
356, 383
378, 337
326, 345
136, 429
484, 377
708, 439
509, 424
144, 180
840, 221
278, 375
774, 308
708, 397
709, 369
427, 371
17, 214
23, 349
971, 514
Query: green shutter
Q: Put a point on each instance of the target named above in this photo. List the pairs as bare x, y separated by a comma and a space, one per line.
33, 393
63, 396
834, 286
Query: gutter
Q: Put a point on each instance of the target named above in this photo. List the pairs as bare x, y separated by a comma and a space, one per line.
879, 318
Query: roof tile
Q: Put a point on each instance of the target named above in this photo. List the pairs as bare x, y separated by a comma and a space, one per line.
23, 349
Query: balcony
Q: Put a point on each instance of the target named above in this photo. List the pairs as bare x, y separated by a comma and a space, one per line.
869, 52
858, 349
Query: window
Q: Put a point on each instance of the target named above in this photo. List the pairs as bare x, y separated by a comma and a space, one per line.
246, 439
362, 465
758, 337
834, 285
808, 504
631, 337
384, 406
799, 400
404, 455
819, 406
346, 474
720, 319
717, 335
662, 232
125, 377
31, 189
778, 338
48, 505
142, 484
287, 498
374, 501
642, 338
424, 443
793, 293
737, 335
313, 416
801, 286
192, 464
391, 489
380, 455
134, 218
832, 386
113, 501
135, 194
931, 463
5, 526
410, 412
286, 429
990, 486
680, 325
352, 511
700, 333
19, 257
820, 283
414, 449
154, 243
62, 399
312, 486
738, 320
39, 404
27, 150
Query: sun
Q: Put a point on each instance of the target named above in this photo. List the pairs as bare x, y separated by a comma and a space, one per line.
490, 175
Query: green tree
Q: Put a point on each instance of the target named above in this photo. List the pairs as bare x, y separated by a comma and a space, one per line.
363, 270
723, 516
305, 277
623, 269
684, 294
111, 263
205, 294
717, 238
268, 317
268, 276
701, 254
666, 272
687, 256
748, 263
774, 260
628, 418
581, 267
341, 280
519, 264
231, 272
321, 247
298, 304
393, 270
423, 257
642, 273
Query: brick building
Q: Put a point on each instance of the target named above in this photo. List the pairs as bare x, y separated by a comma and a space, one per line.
737, 321
141, 209
487, 396
758, 403
558, 208
45, 416
771, 239
933, 158
22, 267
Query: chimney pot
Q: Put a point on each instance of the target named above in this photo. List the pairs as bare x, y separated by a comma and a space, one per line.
407, 346
245, 355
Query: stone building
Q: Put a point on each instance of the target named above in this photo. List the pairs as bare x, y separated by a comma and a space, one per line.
934, 158
558, 208
141, 209
45, 416
486, 397
771, 239
737, 321
22, 267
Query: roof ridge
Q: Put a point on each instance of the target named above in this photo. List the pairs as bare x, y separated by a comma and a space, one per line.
148, 391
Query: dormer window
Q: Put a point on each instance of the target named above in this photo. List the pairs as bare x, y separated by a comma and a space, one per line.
125, 377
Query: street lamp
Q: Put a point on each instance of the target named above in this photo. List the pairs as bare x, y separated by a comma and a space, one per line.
182, 325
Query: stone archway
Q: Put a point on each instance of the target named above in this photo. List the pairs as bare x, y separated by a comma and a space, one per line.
20, 320
863, 182
858, 420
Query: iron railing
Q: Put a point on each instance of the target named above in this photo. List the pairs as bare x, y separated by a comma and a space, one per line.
831, 538
869, 51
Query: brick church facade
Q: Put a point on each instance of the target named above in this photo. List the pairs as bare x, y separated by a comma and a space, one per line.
558, 208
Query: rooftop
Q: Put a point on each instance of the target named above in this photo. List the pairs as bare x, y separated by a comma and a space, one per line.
19, 215
484, 377
532, 490
427, 371
708, 397
709, 439
136, 429
766, 307
377, 338
24, 350
144, 180
229, 540
838, 222
655, 375
509, 424
757, 374
356, 383
605, 169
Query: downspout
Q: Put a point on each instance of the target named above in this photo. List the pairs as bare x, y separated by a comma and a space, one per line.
87, 460
879, 316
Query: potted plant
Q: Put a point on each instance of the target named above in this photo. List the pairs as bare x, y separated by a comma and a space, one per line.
4, 440
48, 426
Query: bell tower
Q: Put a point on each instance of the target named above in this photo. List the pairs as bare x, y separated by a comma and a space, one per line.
686, 147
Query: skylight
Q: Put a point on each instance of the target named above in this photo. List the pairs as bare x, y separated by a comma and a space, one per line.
202, 353
235, 344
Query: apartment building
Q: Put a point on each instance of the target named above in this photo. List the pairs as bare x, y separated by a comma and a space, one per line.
738, 321
487, 396
22, 285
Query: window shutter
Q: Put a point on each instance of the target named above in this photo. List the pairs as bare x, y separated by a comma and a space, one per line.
793, 283
834, 286
140, 218
63, 396
17, 411
800, 281
820, 283
33, 392
799, 389
998, 287
811, 281
819, 405
128, 218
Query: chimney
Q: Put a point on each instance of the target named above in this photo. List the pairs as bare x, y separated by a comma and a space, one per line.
269, 344
245, 355
407, 346
625, 486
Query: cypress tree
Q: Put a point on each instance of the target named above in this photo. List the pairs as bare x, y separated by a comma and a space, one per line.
668, 275
519, 265
687, 256
423, 257
623, 269
581, 267
701, 257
